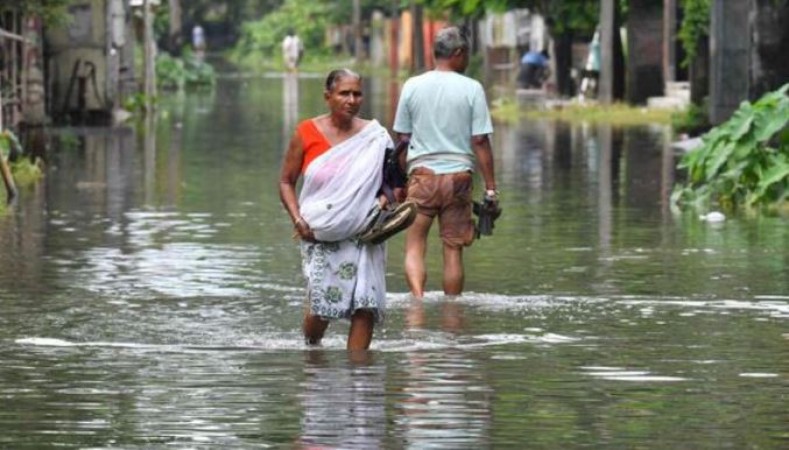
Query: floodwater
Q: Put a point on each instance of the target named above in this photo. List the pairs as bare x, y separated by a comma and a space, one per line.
150, 297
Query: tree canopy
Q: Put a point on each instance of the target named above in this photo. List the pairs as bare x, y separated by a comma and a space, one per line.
51, 11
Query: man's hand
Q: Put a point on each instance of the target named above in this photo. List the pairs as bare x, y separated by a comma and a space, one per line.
491, 197
400, 194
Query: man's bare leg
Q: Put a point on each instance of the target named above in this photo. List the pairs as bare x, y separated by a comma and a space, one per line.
361, 332
415, 248
313, 328
453, 270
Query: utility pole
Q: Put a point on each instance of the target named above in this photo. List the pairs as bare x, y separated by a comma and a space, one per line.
394, 40
175, 32
149, 82
730, 57
669, 40
607, 30
357, 31
418, 42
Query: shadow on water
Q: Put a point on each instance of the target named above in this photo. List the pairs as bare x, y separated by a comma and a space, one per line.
150, 295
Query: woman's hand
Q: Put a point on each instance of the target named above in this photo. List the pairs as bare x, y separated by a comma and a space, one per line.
303, 231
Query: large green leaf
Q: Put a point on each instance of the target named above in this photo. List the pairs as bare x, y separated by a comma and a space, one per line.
776, 176
771, 119
718, 159
740, 123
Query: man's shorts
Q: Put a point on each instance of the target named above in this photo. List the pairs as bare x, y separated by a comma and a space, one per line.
447, 196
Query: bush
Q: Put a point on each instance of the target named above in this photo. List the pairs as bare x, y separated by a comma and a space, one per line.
26, 172
693, 121
177, 73
262, 38
744, 161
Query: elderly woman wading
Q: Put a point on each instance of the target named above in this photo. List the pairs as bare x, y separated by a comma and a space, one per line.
341, 158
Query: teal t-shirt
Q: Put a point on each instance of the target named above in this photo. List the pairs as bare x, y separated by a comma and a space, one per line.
442, 110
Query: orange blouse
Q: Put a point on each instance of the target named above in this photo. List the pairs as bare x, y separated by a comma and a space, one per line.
313, 142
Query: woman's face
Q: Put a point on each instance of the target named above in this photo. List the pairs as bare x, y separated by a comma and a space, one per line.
345, 98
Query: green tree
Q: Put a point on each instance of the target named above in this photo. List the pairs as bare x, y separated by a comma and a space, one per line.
695, 26
341, 12
308, 18
51, 11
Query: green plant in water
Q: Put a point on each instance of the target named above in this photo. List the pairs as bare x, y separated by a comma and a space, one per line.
694, 120
170, 72
744, 161
68, 141
23, 170
9, 145
136, 102
26, 172
177, 73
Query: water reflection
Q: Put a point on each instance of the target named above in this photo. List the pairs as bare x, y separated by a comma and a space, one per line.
446, 402
149, 296
290, 103
149, 158
343, 399
451, 314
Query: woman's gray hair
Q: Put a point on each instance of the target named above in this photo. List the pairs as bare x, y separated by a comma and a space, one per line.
336, 74
447, 41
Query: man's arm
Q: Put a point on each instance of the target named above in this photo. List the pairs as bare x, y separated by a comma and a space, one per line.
480, 144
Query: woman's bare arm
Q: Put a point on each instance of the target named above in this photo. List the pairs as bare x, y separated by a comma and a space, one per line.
289, 176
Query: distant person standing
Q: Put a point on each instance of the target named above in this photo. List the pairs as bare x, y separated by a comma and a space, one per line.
591, 72
444, 116
198, 38
292, 50
198, 42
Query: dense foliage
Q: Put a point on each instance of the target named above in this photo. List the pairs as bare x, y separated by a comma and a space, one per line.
193, 11
51, 11
745, 161
308, 18
695, 25
576, 15
694, 120
177, 73
10, 148
342, 12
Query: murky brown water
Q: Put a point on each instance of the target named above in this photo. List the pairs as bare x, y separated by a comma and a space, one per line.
150, 297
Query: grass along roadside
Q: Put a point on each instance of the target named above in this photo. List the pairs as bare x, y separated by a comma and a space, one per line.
507, 110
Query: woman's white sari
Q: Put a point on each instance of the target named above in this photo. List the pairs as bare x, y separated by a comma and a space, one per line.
337, 195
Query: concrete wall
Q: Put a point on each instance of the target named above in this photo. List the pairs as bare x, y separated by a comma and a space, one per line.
90, 67
749, 52
770, 63
730, 47
645, 51
79, 55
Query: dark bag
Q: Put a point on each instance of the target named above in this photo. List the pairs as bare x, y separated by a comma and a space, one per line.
394, 175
